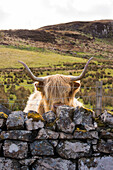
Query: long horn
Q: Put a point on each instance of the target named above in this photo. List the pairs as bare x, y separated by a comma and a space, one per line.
31, 75
75, 78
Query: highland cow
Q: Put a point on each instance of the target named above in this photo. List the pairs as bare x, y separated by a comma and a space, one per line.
52, 91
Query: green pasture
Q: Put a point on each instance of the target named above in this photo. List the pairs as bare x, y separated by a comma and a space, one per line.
9, 58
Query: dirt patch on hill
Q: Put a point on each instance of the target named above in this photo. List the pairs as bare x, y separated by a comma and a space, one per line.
34, 35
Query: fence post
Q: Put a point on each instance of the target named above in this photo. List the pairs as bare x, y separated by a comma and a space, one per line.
99, 97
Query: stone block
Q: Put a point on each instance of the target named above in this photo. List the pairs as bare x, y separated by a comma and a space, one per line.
97, 163
107, 118
106, 135
4, 109
64, 116
33, 125
54, 163
22, 135
47, 134
15, 120
49, 117
85, 135
9, 164
65, 136
2, 123
15, 149
72, 149
41, 148
27, 162
105, 147
83, 117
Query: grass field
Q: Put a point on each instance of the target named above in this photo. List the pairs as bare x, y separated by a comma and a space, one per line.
9, 58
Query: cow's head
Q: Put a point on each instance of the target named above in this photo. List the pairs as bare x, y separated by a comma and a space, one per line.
57, 89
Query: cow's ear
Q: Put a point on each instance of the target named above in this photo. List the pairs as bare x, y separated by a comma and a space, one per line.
38, 86
76, 86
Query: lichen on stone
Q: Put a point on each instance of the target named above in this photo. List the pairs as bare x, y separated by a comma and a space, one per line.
99, 122
87, 109
35, 116
3, 115
80, 130
52, 123
110, 112
13, 148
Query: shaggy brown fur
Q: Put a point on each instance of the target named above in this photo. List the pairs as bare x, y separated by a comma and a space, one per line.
55, 90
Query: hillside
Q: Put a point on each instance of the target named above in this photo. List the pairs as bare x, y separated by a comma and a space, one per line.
89, 38
99, 28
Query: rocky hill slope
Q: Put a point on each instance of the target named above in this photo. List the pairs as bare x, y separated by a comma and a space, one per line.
91, 38
100, 29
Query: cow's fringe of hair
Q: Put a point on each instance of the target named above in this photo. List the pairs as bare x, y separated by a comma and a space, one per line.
54, 89
53, 92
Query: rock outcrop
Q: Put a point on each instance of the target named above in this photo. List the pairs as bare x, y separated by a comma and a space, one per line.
98, 28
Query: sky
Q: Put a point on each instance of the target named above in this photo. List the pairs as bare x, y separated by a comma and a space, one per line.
33, 14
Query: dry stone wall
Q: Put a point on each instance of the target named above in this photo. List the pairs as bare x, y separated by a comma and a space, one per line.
71, 139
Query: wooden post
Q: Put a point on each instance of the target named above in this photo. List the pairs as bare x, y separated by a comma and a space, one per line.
98, 97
